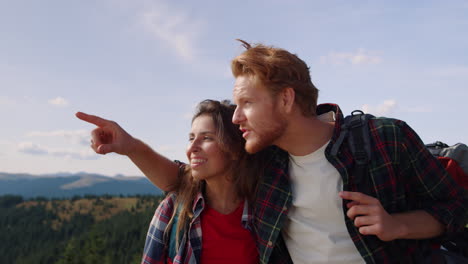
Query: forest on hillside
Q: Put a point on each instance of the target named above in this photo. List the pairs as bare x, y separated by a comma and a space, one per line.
81, 230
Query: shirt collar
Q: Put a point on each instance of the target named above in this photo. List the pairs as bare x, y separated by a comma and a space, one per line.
199, 205
339, 119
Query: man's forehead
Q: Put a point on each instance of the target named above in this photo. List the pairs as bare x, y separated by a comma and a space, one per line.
240, 93
244, 79
243, 85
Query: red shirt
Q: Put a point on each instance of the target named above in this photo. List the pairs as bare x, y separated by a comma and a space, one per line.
224, 240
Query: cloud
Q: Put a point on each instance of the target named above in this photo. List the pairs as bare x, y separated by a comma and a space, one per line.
187, 116
58, 101
167, 148
174, 27
176, 151
86, 154
81, 137
453, 71
36, 149
5, 147
31, 148
384, 109
75, 137
417, 109
6, 101
360, 57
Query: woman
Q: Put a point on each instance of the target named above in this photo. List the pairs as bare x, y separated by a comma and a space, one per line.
205, 219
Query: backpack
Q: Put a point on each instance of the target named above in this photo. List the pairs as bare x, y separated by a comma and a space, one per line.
356, 130
454, 158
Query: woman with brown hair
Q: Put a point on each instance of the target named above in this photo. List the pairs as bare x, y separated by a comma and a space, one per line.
206, 217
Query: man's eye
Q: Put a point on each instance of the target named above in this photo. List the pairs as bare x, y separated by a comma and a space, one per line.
190, 139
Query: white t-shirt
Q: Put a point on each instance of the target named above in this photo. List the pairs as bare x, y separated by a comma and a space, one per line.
315, 231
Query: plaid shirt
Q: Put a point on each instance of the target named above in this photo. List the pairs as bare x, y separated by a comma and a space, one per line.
156, 249
405, 176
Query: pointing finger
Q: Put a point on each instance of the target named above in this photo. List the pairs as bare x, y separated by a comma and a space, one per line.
96, 120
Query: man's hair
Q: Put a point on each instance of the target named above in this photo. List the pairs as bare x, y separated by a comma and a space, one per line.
276, 69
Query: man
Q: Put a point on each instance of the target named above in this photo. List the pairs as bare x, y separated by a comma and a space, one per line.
301, 204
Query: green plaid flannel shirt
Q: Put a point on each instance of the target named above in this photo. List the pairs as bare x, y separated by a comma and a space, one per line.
405, 177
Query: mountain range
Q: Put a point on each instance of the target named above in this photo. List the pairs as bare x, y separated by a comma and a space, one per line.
66, 185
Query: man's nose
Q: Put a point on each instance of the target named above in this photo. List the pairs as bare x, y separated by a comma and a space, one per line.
238, 116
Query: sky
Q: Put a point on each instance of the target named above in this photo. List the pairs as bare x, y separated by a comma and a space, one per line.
146, 64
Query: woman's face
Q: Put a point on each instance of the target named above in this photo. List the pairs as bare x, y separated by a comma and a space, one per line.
206, 158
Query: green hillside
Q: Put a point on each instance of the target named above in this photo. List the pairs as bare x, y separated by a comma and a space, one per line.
86, 229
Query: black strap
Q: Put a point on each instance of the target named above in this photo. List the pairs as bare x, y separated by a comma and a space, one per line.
356, 130
360, 146
436, 147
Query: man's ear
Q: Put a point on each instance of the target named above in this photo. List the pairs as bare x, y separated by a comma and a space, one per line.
287, 97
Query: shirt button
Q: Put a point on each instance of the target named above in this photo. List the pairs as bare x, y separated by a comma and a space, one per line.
270, 243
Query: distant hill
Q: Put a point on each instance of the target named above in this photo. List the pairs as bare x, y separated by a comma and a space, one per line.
99, 229
64, 185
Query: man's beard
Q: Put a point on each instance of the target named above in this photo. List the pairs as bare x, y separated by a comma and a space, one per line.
267, 136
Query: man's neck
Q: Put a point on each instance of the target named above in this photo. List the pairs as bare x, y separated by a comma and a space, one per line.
304, 135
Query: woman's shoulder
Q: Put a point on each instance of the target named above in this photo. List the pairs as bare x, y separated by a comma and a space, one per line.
166, 206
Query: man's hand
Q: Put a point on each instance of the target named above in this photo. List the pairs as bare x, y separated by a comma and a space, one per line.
371, 218
108, 136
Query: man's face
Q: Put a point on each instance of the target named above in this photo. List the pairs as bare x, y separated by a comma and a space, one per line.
256, 113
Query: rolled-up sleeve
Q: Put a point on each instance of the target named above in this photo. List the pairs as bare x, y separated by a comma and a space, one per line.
433, 187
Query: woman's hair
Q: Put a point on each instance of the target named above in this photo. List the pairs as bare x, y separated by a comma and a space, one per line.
276, 69
245, 168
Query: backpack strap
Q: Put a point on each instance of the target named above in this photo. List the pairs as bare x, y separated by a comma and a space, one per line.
172, 251
436, 147
360, 146
357, 127
356, 130
171, 236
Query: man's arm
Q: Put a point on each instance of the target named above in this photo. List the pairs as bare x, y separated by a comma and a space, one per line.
371, 218
110, 137
430, 183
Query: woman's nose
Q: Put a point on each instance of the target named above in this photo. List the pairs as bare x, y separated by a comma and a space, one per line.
194, 146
